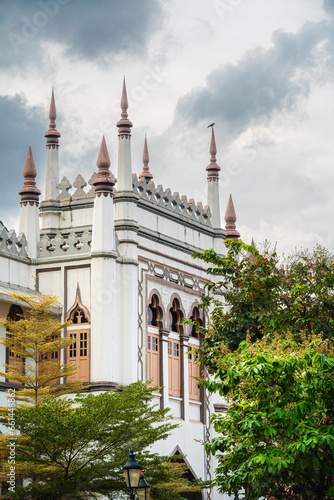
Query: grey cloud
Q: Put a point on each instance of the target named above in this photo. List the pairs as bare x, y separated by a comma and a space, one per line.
20, 127
329, 6
261, 82
90, 30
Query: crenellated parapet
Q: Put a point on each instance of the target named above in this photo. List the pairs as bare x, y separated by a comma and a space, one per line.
61, 245
79, 189
11, 244
173, 202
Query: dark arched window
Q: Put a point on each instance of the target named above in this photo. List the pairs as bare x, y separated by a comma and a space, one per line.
175, 317
154, 312
194, 328
79, 317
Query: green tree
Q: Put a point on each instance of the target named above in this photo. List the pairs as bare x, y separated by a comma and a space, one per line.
277, 438
75, 448
34, 338
255, 293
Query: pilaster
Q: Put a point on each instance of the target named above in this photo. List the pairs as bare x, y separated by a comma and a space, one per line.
105, 333
164, 335
184, 340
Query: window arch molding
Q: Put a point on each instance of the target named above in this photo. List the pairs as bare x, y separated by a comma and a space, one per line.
161, 313
78, 305
175, 305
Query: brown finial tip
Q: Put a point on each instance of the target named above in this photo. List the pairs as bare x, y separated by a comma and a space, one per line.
29, 193
103, 183
124, 123
230, 219
146, 174
213, 168
52, 135
103, 160
52, 112
124, 99
29, 169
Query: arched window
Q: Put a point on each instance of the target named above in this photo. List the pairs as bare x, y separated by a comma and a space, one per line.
154, 312
15, 314
193, 367
194, 328
174, 349
79, 351
153, 340
175, 317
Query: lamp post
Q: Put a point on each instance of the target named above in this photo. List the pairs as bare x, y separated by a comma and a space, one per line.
134, 478
143, 489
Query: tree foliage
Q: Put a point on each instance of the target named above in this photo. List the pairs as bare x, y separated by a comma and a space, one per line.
277, 437
33, 338
265, 352
75, 448
255, 293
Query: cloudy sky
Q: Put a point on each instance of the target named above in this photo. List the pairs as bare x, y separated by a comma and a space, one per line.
263, 71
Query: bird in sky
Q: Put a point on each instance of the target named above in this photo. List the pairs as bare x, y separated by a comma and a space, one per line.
212, 124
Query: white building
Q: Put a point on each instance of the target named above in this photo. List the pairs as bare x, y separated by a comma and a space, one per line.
119, 256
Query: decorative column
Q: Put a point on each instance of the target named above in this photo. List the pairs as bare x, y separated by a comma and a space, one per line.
164, 378
105, 335
124, 172
103, 238
29, 215
213, 197
213, 184
184, 340
126, 226
52, 157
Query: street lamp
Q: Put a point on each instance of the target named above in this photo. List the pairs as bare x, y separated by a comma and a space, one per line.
143, 489
134, 479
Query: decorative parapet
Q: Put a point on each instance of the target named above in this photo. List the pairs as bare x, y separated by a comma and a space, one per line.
171, 201
60, 245
10, 244
147, 190
79, 184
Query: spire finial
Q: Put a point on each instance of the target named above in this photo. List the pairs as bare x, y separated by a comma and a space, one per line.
146, 174
52, 134
29, 193
230, 219
103, 182
213, 168
124, 123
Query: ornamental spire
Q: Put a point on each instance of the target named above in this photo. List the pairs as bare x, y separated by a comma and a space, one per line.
52, 135
103, 182
29, 193
230, 219
146, 174
124, 125
213, 168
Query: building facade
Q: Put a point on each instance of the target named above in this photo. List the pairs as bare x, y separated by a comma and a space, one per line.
119, 256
